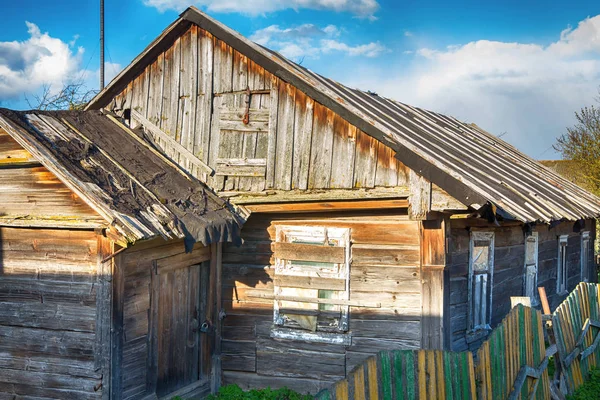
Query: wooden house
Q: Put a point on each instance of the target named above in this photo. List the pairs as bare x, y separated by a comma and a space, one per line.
370, 224
102, 282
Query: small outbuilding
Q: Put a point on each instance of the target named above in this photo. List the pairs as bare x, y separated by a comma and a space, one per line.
109, 257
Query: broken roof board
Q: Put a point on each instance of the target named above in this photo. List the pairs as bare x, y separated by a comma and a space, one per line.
472, 165
133, 187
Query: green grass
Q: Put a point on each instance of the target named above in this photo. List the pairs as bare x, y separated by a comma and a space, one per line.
234, 392
590, 389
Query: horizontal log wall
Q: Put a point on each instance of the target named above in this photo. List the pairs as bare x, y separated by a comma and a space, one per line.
509, 270
48, 291
192, 92
30, 195
385, 269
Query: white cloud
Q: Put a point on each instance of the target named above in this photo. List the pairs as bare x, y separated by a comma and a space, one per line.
40, 60
309, 40
528, 90
372, 49
361, 8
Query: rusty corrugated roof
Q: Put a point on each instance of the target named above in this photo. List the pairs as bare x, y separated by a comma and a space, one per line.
474, 166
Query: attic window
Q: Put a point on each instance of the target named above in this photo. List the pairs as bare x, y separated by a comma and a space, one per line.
311, 284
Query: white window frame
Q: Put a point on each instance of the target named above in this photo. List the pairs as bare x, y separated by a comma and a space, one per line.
488, 283
283, 267
562, 268
531, 270
585, 256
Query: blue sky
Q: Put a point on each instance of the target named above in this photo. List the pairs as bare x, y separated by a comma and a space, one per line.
516, 68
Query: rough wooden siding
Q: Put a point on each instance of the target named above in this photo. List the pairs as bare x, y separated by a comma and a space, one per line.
385, 268
313, 148
136, 264
32, 195
509, 273
48, 287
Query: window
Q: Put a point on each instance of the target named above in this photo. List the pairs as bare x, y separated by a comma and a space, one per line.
561, 275
585, 255
531, 266
312, 275
481, 265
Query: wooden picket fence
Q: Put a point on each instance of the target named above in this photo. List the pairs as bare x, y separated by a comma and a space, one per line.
576, 325
408, 374
512, 364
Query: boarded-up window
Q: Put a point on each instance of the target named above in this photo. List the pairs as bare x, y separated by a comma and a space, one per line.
585, 255
561, 274
243, 134
531, 266
312, 273
481, 267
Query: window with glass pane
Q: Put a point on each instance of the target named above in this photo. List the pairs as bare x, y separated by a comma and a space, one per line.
585, 255
531, 266
312, 273
561, 274
480, 279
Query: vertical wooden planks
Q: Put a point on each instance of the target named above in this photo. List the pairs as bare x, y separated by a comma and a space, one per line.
408, 375
256, 81
344, 150
285, 136
188, 91
232, 146
273, 122
319, 176
155, 94
223, 84
387, 167
202, 132
365, 164
576, 329
303, 129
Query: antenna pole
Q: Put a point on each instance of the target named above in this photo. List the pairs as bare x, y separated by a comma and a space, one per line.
101, 44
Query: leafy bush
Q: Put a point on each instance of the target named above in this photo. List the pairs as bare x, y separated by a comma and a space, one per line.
234, 392
590, 389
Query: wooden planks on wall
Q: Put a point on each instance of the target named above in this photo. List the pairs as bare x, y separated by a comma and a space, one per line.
306, 146
385, 268
48, 313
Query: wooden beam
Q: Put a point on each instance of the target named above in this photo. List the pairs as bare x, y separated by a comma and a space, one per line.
309, 252
323, 195
118, 299
433, 262
325, 206
156, 131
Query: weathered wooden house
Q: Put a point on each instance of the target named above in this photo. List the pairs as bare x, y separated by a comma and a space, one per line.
101, 282
370, 224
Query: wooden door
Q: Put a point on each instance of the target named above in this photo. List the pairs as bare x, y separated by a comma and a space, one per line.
179, 310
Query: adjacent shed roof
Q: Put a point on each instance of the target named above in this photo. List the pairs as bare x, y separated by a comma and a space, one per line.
474, 166
126, 181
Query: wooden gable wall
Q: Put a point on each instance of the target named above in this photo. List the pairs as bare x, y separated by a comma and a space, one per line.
195, 93
30, 195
